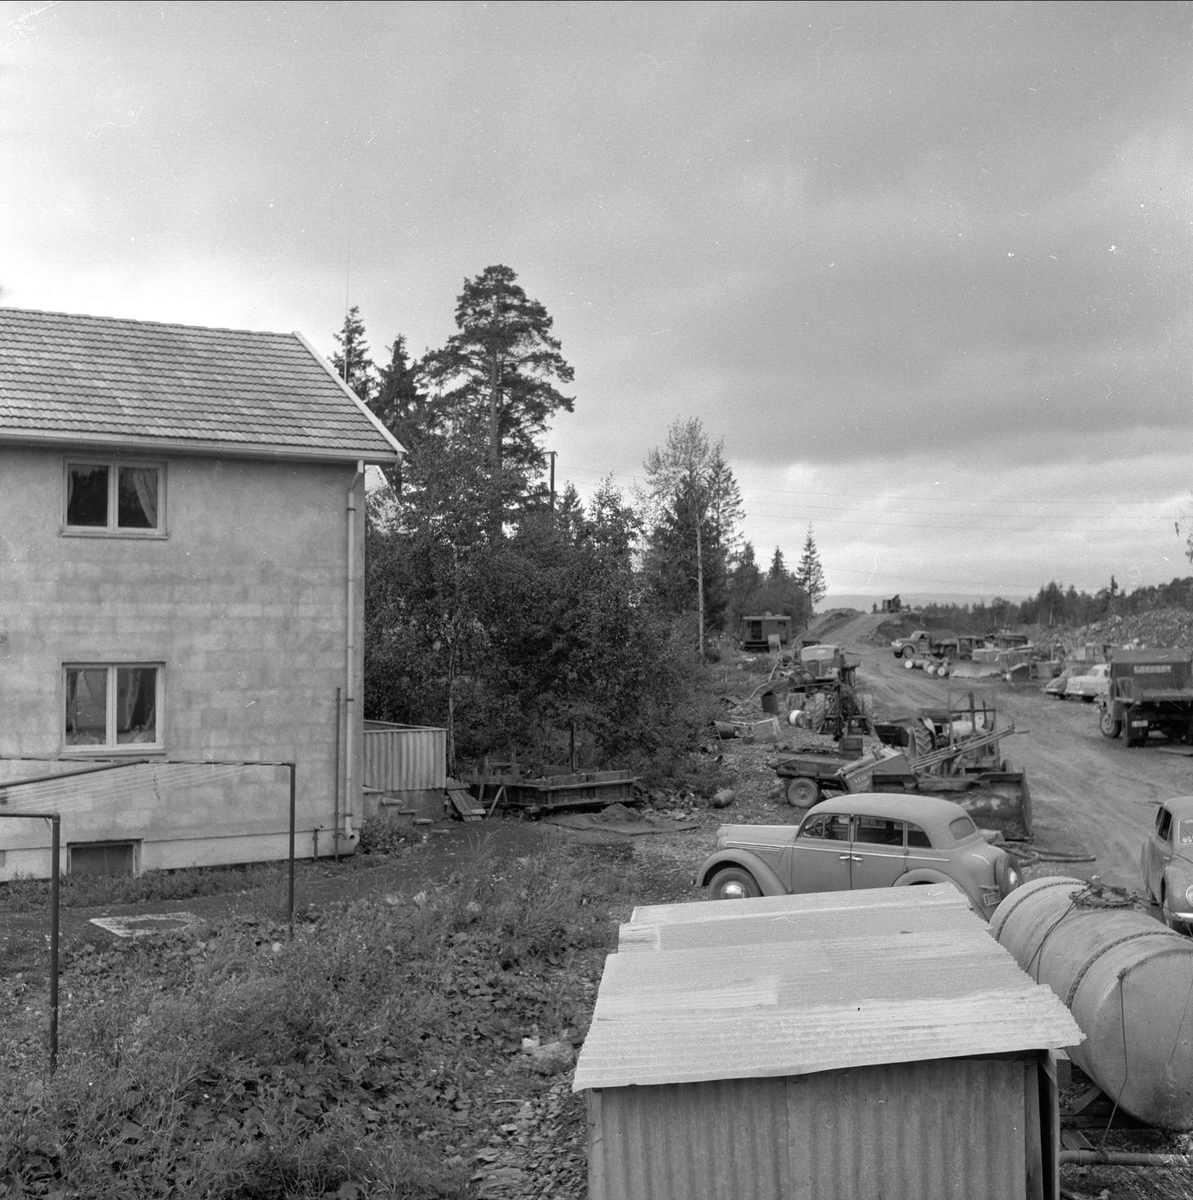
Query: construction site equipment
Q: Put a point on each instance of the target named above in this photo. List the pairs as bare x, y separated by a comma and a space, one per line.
823, 662
812, 774
953, 752
1150, 690
1126, 979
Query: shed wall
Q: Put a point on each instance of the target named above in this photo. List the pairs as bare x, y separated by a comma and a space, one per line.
912, 1130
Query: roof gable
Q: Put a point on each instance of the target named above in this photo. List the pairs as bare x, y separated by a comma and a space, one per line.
100, 380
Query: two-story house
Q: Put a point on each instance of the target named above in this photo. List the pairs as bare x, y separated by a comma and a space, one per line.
181, 600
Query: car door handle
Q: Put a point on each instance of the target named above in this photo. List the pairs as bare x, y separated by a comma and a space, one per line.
850, 857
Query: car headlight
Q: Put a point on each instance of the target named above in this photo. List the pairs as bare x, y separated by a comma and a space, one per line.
1006, 875
1189, 896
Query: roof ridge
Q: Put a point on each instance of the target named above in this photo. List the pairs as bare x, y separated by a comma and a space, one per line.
45, 312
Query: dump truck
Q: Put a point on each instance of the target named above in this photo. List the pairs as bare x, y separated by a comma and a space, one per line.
1150, 691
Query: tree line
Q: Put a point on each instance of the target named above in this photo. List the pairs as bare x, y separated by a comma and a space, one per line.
1057, 605
511, 613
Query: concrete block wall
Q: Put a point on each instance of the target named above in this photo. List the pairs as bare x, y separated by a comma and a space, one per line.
244, 603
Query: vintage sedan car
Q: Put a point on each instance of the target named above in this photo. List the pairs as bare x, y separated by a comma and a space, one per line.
861, 841
1167, 864
1091, 685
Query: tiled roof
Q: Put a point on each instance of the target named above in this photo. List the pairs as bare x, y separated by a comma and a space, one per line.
794, 985
100, 379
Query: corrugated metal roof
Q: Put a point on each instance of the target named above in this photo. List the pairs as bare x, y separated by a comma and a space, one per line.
80, 379
824, 993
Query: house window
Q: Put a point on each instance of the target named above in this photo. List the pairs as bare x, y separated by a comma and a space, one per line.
114, 497
113, 706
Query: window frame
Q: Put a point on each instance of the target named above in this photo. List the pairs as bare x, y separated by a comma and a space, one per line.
112, 529
113, 747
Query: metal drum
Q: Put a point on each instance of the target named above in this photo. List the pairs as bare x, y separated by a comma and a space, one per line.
1128, 981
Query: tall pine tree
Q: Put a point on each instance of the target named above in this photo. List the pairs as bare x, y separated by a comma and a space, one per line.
352, 362
499, 371
810, 574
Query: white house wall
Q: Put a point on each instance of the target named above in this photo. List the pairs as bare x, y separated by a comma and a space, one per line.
243, 602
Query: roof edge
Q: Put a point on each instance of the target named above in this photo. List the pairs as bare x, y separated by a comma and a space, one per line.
198, 448
364, 408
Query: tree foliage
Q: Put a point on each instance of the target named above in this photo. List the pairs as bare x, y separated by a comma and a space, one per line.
499, 372
517, 627
352, 362
810, 574
692, 510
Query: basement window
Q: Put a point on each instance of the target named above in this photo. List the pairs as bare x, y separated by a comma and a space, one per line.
114, 498
102, 858
112, 706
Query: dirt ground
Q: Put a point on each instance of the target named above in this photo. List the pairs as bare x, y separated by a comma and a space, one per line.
1090, 794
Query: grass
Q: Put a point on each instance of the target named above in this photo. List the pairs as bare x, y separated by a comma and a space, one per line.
235, 1062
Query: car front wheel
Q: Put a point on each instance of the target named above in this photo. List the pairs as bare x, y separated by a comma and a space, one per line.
733, 883
1108, 725
908, 651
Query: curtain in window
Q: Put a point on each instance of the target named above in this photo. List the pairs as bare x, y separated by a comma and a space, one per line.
87, 710
136, 708
138, 497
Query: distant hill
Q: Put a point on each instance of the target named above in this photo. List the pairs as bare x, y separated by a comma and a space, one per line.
863, 603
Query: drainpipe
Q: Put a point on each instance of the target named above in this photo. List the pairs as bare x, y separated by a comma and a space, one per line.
350, 699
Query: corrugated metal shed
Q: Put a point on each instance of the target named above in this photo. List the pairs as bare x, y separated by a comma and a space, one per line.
869, 1044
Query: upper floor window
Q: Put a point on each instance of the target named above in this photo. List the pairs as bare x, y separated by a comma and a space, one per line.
114, 497
112, 705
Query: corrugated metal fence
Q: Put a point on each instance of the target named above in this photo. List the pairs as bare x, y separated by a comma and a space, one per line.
404, 758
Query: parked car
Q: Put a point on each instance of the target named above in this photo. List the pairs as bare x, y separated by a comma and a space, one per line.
861, 841
1056, 687
1090, 686
1167, 864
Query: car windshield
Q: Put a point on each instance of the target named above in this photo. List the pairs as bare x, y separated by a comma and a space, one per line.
1184, 832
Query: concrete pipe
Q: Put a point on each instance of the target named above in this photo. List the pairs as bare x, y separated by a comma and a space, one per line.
1128, 981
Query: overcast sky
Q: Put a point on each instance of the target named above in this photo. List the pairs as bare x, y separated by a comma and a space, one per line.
926, 269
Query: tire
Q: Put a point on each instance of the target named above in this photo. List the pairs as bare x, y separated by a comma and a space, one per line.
733, 883
908, 652
802, 792
1108, 725
922, 739
815, 710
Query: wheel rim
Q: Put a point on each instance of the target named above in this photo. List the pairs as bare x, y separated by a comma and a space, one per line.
732, 889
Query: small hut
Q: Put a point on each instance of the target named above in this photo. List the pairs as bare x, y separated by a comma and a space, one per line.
757, 631
840, 1045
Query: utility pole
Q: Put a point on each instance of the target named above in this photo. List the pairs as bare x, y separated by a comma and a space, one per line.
551, 453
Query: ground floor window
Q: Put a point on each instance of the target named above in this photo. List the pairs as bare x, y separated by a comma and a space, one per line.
113, 705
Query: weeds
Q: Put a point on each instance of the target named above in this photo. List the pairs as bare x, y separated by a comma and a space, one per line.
240, 1064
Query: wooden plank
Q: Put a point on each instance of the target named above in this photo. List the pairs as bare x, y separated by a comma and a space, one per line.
466, 805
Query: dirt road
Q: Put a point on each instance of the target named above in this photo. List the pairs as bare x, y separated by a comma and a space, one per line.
1089, 794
